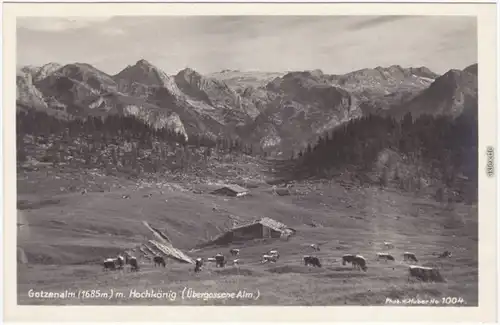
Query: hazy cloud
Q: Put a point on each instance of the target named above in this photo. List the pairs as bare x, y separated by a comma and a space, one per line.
335, 44
55, 24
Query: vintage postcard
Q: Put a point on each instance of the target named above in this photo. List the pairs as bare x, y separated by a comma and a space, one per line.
334, 156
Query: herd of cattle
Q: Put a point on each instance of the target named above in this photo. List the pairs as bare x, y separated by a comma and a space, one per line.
357, 261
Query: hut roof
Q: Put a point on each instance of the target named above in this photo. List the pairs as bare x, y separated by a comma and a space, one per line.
266, 222
235, 188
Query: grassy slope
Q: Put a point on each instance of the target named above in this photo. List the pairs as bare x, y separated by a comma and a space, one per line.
70, 234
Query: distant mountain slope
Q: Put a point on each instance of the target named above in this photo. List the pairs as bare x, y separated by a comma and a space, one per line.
240, 80
450, 94
227, 104
472, 69
87, 74
300, 106
381, 88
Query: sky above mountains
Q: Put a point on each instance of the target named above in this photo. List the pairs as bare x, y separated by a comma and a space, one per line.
334, 44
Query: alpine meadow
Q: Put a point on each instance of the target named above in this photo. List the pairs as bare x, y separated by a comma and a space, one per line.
247, 160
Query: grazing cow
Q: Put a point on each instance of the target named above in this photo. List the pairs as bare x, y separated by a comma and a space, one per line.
359, 262
109, 264
125, 196
220, 260
348, 258
273, 253
385, 256
120, 262
315, 247
211, 259
269, 258
134, 265
388, 245
236, 262
312, 260
159, 260
198, 265
234, 251
425, 274
445, 254
407, 256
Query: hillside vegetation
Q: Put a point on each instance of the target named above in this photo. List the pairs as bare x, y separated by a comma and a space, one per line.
431, 156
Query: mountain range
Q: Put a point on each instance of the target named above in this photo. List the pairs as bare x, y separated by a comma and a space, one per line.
277, 111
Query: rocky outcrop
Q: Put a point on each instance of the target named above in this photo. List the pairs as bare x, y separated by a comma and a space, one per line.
46, 70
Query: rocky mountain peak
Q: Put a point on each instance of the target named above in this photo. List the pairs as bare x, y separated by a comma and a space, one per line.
142, 72
144, 63
472, 69
189, 75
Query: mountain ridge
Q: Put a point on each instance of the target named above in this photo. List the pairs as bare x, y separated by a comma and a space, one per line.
277, 111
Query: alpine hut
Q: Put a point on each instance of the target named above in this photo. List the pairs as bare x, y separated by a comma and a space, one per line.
261, 228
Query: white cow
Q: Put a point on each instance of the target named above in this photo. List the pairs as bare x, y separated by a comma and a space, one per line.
269, 258
315, 247
385, 256
273, 253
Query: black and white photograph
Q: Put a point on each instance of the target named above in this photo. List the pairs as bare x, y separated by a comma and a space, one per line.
247, 160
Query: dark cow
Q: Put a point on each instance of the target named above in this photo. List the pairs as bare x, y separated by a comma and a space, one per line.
312, 260
120, 262
269, 258
407, 256
109, 264
445, 254
220, 260
198, 265
359, 262
388, 244
134, 265
385, 256
234, 251
159, 260
348, 258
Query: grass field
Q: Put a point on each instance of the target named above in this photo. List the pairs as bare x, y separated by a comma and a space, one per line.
67, 235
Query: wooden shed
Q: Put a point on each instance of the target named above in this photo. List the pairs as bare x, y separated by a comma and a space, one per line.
260, 228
